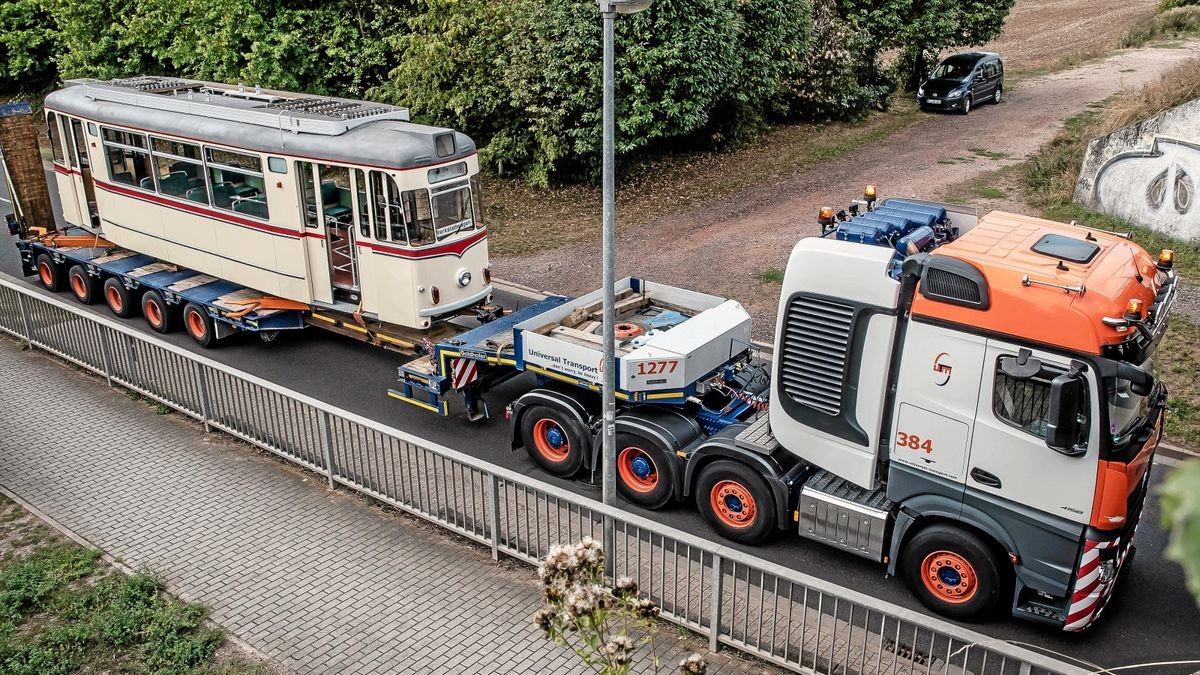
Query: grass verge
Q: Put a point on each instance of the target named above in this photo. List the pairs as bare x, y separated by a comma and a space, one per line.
524, 219
63, 610
1049, 177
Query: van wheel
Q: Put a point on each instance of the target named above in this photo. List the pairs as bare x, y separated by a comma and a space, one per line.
966, 106
157, 312
49, 273
736, 502
554, 441
643, 471
119, 299
199, 325
953, 572
83, 285
998, 95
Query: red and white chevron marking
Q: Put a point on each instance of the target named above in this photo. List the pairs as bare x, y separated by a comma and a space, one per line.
463, 372
1091, 595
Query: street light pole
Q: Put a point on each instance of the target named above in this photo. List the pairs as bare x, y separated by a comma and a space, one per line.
609, 10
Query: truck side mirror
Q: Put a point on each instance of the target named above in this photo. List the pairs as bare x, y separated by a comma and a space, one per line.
1141, 383
1062, 420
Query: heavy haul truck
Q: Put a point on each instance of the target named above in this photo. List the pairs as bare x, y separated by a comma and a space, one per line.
969, 401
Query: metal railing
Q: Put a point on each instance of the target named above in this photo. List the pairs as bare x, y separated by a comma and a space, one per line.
777, 614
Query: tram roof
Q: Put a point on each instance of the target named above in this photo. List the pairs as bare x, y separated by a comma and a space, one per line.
270, 121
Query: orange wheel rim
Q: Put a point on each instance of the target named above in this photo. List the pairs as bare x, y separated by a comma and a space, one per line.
195, 324
551, 440
154, 313
78, 286
733, 504
949, 577
45, 273
638, 471
114, 299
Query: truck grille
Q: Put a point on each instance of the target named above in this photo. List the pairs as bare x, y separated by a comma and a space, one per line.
816, 342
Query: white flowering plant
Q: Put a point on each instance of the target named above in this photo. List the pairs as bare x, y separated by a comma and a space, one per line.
603, 622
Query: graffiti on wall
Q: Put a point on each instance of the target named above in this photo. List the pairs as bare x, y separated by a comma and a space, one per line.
1155, 187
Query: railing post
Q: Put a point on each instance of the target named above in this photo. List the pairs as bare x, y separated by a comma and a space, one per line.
714, 619
106, 356
610, 546
202, 385
494, 515
23, 306
326, 444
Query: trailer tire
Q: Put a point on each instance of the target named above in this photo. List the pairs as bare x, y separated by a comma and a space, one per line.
199, 325
736, 502
554, 441
644, 475
119, 299
49, 273
953, 572
83, 285
159, 315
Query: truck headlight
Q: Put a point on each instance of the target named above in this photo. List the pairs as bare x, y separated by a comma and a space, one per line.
464, 278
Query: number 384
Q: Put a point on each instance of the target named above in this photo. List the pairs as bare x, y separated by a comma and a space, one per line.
914, 442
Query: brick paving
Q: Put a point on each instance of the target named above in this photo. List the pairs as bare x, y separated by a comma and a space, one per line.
318, 581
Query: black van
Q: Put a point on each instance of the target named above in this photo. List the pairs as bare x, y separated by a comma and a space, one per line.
963, 81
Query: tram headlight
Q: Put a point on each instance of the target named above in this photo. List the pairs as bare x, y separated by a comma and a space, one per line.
464, 278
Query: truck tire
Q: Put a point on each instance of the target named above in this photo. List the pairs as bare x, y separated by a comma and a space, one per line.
736, 502
49, 273
554, 440
83, 285
953, 572
199, 325
644, 474
119, 299
158, 313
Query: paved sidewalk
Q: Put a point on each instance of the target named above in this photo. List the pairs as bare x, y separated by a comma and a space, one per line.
318, 581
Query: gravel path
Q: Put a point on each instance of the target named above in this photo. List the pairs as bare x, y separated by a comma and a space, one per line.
723, 247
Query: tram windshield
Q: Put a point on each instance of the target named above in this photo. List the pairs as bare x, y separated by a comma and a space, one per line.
452, 212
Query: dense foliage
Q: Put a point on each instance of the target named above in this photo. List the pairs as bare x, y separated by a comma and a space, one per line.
521, 76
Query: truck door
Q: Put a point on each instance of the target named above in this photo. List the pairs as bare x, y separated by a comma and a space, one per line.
65, 164
1009, 457
936, 395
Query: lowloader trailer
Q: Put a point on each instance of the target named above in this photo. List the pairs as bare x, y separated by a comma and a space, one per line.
969, 401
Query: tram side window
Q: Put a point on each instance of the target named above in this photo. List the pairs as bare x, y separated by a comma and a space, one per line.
237, 182
55, 139
180, 170
335, 195
420, 217
80, 143
477, 199
128, 159
308, 193
360, 197
389, 214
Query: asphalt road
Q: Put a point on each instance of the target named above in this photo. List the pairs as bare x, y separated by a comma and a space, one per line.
1152, 618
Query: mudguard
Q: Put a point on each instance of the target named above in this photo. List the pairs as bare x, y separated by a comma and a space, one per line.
581, 405
672, 429
723, 445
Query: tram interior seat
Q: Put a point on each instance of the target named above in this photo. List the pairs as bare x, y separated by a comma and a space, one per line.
223, 194
336, 201
197, 194
125, 177
175, 184
147, 183
252, 206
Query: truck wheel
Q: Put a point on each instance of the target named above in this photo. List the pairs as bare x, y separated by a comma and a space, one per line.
736, 502
199, 325
953, 572
157, 312
119, 299
643, 471
554, 441
83, 285
50, 273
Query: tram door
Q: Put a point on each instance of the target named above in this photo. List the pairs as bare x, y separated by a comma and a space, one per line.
65, 162
330, 209
85, 190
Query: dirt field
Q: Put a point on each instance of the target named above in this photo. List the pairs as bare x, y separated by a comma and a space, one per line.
1041, 34
724, 247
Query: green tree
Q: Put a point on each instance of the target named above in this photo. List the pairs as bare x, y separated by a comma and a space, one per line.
27, 44
1181, 515
90, 39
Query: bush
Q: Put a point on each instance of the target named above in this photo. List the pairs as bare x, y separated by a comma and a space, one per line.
1172, 4
1177, 22
27, 45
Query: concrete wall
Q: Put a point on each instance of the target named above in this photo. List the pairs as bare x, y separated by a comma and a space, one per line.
1148, 173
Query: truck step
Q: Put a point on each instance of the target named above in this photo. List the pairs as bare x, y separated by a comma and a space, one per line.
837, 512
758, 436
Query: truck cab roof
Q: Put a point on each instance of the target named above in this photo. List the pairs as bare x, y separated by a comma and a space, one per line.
1045, 282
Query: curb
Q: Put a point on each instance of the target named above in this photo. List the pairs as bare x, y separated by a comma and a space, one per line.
1177, 452
129, 571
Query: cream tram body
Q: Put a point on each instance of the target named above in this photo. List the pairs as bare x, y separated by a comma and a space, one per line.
379, 216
